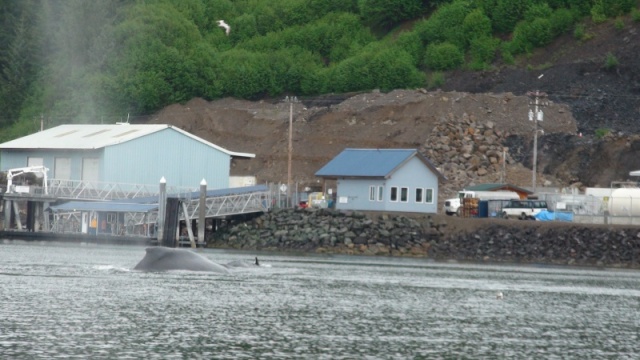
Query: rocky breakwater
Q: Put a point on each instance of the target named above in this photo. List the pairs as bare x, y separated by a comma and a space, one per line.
330, 231
545, 243
475, 240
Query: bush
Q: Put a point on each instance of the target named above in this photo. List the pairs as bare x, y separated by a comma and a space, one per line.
393, 69
446, 25
618, 24
482, 51
444, 56
598, 12
635, 15
535, 11
388, 12
602, 132
436, 80
613, 8
476, 24
507, 56
410, 42
610, 61
507, 13
528, 36
580, 32
561, 21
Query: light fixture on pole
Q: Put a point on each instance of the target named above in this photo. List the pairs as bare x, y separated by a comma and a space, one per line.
536, 115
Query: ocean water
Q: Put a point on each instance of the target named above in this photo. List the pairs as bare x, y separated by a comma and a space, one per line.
78, 301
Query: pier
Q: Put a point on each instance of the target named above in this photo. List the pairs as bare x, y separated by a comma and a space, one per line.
144, 213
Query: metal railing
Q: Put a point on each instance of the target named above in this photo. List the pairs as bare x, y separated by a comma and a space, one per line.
95, 190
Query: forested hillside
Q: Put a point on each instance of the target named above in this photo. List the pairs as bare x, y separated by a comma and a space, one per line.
104, 61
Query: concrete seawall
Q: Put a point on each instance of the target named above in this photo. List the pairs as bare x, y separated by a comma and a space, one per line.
483, 240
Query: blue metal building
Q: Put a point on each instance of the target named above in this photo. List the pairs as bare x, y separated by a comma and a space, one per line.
384, 180
122, 153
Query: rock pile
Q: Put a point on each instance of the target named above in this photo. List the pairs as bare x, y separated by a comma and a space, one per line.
466, 151
497, 240
326, 230
569, 245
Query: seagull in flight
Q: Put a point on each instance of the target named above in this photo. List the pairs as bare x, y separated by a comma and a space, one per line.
227, 28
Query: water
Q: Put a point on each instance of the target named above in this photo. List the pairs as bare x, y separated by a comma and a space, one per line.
83, 301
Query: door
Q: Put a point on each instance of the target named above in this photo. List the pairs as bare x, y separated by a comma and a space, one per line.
90, 169
62, 170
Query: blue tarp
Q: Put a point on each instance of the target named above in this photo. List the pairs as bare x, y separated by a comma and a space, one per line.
546, 215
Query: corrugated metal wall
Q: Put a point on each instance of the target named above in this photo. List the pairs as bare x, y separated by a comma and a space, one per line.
12, 159
182, 161
414, 174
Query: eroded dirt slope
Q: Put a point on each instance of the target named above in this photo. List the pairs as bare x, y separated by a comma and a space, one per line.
585, 96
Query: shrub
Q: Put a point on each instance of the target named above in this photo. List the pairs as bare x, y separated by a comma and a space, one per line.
535, 11
444, 56
507, 13
436, 80
527, 35
482, 51
610, 61
393, 69
580, 32
507, 56
388, 12
598, 12
602, 132
561, 21
410, 42
476, 24
613, 8
446, 25
635, 15
618, 24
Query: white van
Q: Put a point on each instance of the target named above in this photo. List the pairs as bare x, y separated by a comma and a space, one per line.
452, 206
523, 209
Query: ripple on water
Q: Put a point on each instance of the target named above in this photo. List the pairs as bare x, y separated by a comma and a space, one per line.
85, 302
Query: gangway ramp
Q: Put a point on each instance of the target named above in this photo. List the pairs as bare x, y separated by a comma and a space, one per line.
226, 202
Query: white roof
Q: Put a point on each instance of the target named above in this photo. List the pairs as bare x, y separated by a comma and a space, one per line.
90, 136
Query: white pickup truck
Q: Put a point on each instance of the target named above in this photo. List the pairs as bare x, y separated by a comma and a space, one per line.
452, 206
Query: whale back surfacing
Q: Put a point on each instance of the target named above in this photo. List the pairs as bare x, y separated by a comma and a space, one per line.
163, 259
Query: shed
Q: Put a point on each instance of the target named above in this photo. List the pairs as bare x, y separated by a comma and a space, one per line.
522, 192
400, 180
122, 153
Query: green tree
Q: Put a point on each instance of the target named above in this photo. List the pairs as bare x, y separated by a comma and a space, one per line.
388, 12
445, 56
476, 24
446, 24
507, 13
18, 57
482, 51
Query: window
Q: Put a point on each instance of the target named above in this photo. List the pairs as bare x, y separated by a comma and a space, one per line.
418, 195
394, 194
404, 194
35, 161
380, 193
372, 193
428, 198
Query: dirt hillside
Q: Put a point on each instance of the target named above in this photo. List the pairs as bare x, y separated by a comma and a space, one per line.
585, 96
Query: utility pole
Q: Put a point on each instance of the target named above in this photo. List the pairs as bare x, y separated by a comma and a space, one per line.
291, 100
503, 176
536, 115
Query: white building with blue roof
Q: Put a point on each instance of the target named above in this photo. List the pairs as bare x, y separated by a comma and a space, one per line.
399, 180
